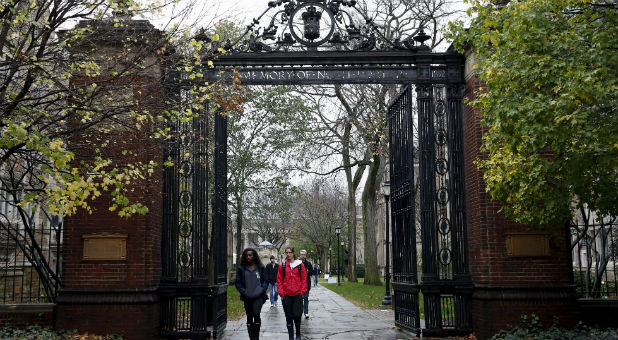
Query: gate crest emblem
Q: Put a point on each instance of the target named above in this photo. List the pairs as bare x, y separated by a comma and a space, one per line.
312, 24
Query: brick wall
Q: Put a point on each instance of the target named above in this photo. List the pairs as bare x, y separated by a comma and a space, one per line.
117, 296
132, 321
22, 315
142, 266
507, 287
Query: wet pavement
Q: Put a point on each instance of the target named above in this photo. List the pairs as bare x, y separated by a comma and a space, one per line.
331, 317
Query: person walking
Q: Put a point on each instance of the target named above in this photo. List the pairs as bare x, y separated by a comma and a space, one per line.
271, 275
309, 267
251, 282
316, 272
292, 285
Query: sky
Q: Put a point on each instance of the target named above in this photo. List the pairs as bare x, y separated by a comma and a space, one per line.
246, 8
205, 13
241, 10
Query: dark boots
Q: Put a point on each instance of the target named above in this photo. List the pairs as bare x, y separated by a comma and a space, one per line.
254, 331
250, 330
291, 330
297, 324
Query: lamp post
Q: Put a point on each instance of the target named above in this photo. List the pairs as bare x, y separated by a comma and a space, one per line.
343, 260
338, 231
386, 191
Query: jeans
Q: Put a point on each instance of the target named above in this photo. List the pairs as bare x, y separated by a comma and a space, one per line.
315, 279
306, 303
274, 295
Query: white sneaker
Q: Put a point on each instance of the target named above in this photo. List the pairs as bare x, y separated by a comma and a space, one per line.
306, 316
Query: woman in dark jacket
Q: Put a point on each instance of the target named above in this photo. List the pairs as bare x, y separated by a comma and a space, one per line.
251, 282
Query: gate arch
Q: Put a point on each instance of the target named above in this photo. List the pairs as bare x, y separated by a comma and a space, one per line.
194, 303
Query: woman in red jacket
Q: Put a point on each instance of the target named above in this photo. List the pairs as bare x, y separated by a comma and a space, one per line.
292, 285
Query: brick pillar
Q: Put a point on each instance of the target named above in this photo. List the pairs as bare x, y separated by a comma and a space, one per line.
104, 292
516, 270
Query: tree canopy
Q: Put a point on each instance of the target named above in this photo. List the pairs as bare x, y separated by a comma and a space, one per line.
550, 104
261, 142
60, 88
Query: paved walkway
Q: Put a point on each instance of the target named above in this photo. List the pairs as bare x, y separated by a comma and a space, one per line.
331, 317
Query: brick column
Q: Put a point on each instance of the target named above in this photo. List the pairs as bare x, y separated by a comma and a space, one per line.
104, 292
516, 270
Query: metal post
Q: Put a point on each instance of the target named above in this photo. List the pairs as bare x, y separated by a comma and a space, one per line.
387, 297
343, 260
338, 262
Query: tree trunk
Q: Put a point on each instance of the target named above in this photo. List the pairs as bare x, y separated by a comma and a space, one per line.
330, 254
353, 180
351, 218
323, 265
239, 218
323, 257
351, 222
370, 208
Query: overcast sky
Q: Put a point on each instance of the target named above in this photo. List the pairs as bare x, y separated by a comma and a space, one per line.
247, 8
242, 10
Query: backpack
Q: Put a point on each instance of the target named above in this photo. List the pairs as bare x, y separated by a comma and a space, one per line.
283, 272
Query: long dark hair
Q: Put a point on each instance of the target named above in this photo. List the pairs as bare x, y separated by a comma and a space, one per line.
256, 257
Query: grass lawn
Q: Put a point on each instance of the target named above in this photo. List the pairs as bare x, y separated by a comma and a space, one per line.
366, 297
235, 307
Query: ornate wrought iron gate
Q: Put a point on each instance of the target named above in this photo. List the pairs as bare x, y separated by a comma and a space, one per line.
318, 42
436, 193
402, 153
193, 287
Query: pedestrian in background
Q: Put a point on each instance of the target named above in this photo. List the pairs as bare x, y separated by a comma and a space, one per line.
316, 272
292, 285
271, 274
252, 283
309, 267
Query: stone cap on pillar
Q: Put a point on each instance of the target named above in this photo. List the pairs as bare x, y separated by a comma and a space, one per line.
120, 43
470, 68
119, 30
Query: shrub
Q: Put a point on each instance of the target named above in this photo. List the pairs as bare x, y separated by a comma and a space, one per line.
533, 329
36, 332
360, 270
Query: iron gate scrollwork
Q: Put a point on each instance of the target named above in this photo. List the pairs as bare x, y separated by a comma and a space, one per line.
437, 192
445, 283
193, 286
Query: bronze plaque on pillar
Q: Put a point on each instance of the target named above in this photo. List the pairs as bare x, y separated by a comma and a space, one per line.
520, 244
105, 246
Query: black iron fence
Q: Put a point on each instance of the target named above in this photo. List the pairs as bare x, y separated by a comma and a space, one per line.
30, 248
594, 246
